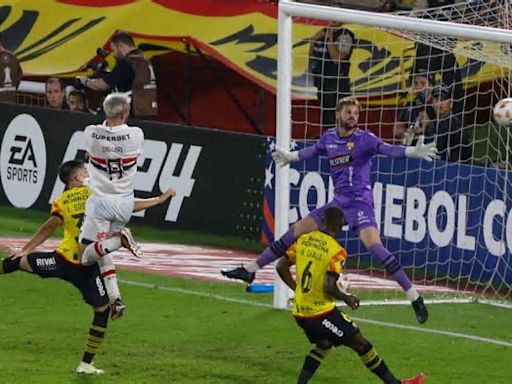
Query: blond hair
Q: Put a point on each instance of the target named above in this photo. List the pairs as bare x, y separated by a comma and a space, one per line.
115, 104
348, 100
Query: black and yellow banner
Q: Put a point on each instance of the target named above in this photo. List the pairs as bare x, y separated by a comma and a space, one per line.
58, 37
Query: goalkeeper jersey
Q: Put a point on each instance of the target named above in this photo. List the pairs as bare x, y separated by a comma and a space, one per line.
350, 157
70, 207
314, 254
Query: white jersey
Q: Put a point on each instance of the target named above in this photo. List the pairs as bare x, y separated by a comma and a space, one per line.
113, 153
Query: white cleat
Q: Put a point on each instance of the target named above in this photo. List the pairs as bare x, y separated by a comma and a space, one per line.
129, 242
88, 369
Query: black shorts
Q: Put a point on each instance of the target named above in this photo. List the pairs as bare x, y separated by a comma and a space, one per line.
335, 327
87, 279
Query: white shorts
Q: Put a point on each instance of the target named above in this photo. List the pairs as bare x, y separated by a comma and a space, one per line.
104, 215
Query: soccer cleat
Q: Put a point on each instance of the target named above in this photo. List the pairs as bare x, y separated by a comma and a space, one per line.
420, 309
117, 309
240, 273
420, 379
129, 242
88, 369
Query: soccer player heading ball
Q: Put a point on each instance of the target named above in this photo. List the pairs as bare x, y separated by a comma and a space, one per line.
318, 270
349, 150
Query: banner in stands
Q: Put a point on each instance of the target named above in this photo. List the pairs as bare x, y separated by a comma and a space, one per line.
217, 175
61, 36
453, 218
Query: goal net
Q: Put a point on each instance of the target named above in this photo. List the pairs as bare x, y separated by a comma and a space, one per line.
434, 72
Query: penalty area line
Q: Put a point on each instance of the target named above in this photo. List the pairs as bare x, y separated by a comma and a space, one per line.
361, 320
437, 332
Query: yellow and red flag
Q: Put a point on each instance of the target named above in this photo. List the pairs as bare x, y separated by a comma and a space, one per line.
57, 37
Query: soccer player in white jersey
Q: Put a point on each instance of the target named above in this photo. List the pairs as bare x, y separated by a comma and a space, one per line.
113, 149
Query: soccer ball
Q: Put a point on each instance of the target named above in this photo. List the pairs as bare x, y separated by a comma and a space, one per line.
502, 112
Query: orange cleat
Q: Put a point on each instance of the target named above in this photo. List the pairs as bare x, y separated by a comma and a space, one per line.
420, 379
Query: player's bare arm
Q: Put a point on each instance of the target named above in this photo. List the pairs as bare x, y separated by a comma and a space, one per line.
142, 204
283, 268
42, 234
331, 288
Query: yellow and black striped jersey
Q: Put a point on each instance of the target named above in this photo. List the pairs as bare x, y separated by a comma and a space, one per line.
70, 207
314, 254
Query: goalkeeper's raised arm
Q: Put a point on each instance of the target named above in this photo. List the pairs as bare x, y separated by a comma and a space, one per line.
421, 150
284, 157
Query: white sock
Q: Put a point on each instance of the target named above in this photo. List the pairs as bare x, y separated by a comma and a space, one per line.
97, 250
253, 267
108, 272
412, 294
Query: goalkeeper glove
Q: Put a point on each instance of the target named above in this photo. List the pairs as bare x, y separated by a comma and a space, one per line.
422, 150
283, 157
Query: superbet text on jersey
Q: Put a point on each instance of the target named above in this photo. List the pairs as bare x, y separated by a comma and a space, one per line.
113, 153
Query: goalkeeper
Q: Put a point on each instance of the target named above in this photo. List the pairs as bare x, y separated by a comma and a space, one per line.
349, 150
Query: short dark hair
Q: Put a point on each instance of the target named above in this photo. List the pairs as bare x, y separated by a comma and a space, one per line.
443, 92
68, 169
54, 80
123, 37
334, 218
424, 72
77, 92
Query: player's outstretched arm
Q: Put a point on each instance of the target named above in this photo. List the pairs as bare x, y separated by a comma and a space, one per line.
142, 204
283, 269
283, 157
332, 289
42, 234
421, 150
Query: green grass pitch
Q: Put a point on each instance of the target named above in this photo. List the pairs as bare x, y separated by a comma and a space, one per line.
184, 331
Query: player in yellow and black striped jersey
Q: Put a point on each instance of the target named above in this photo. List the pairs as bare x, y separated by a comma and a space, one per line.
68, 210
319, 258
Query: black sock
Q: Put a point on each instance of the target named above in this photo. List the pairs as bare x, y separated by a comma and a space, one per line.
9, 265
311, 364
96, 335
374, 363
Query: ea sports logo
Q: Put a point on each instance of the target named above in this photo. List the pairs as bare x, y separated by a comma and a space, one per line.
23, 161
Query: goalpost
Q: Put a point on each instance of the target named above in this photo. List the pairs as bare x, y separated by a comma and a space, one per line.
448, 223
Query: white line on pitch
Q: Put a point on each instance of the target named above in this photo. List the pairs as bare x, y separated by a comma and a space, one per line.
194, 293
375, 322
